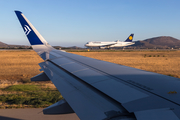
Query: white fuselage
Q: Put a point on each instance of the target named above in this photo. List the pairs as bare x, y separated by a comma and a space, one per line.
108, 44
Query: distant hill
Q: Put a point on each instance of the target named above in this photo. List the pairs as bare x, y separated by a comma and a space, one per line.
5, 46
158, 42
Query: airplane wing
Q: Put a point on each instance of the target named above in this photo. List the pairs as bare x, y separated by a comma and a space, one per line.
108, 45
99, 90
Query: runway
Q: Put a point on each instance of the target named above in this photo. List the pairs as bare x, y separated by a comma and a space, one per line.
33, 114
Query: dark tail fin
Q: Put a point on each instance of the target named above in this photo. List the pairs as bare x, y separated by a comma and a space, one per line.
130, 38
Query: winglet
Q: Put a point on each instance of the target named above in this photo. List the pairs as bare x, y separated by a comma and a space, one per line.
32, 34
130, 38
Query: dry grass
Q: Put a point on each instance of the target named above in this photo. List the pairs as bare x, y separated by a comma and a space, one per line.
18, 65
166, 62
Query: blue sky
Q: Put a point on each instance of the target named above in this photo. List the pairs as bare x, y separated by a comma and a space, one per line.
75, 22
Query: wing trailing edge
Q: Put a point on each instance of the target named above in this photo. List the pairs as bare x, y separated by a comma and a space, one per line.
61, 107
40, 77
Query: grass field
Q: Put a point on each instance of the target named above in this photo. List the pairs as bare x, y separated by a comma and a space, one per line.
25, 96
17, 67
22, 65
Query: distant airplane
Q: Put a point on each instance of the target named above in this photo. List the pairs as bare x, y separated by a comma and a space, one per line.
117, 43
99, 90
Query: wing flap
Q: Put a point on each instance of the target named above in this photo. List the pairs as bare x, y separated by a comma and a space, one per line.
156, 114
153, 83
101, 74
40, 77
148, 103
116, 90
61, 107
103, 82
80, 95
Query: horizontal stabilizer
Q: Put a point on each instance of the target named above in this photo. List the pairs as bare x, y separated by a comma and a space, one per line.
40, 77
61, 107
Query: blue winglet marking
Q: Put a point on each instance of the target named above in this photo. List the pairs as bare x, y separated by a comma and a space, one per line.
32, 37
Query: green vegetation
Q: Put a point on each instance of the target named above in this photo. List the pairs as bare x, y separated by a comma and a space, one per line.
22, 88
32, 95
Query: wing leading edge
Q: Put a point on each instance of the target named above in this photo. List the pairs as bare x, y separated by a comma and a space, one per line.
95, 89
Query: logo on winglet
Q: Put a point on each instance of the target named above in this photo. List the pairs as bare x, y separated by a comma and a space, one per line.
27, 30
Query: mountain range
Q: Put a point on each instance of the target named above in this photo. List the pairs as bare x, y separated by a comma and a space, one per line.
4, 45
162, 42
